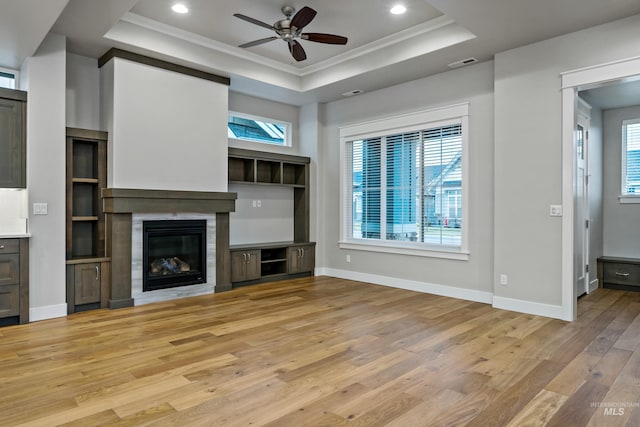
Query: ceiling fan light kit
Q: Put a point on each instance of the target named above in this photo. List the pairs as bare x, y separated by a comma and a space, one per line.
290, 30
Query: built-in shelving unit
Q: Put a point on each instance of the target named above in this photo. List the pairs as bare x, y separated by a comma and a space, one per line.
261, 168
87, 267
272, 261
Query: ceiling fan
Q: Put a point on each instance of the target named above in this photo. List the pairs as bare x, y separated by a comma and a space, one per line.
290, 29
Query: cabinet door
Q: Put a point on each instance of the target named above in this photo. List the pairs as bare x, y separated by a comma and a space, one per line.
238, 266
9, 300
87, 283
253, 265
301, 259
9, 269
308, 258
245, 265
12, 145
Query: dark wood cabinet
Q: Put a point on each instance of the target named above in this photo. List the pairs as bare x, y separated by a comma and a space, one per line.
14, 281
245, 265
87, 282
619, 273
271, 261
13, 147
86, 177
279, 260
301, 259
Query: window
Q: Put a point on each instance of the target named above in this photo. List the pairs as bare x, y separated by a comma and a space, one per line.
403, 183
258, 129
631, 157
8, 78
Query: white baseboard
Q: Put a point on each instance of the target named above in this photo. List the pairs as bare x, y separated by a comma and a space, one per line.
593, 285
411, 285
528, 307
47, 312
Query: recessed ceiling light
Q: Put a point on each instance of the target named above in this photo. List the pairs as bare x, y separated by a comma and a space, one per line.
398, 9
180, 8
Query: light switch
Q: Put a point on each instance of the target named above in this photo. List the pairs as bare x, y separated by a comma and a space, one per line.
555, 210
40, 208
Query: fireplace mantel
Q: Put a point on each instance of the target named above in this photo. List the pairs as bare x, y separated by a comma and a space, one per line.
119, 205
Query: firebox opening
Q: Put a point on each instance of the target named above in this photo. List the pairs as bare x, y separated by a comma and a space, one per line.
173, 253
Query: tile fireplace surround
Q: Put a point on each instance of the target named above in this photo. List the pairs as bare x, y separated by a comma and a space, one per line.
121, 204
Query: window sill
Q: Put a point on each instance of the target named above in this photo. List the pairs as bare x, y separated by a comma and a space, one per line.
444, 253
629, 199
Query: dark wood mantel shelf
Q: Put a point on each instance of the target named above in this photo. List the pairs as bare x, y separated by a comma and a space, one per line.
119, 205
125, 200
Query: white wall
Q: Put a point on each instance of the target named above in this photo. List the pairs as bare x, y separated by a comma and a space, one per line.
167, 131
83, 92
528, 164
271, 221
468, 279
44, 77
621, 231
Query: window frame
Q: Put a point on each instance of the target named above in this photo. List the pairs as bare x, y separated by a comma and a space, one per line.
432, 118
625, 197
287, 125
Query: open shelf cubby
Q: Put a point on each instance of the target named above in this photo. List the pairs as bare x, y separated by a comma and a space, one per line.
269, 172
241, 170
293, 174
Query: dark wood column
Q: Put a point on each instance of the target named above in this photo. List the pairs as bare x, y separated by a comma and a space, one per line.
119, 250
223, 256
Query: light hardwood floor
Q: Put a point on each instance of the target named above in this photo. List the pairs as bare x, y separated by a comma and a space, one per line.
325, 352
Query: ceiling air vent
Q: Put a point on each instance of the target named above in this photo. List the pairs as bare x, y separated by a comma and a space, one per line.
352, 92
463, 62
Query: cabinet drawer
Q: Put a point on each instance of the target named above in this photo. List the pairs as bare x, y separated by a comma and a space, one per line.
9, 269
621, 273
9, 246
9, 300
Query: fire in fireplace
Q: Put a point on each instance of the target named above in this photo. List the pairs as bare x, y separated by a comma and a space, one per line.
173, 253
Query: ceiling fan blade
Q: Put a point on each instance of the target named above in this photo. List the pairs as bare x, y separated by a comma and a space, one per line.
297, 51
253, 21
303, 18
324, 38
259, 41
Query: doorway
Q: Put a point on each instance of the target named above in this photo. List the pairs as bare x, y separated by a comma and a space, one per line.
572, 82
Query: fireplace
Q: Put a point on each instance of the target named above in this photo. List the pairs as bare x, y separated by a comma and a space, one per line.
173, 254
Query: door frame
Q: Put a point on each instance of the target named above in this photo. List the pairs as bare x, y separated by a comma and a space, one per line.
572, 82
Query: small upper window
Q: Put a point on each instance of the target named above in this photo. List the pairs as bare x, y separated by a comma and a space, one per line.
631, 157
8, 78
258, 129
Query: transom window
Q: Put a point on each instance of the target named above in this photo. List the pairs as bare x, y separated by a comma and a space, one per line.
258, 129
403, 182
631, 157
8, 78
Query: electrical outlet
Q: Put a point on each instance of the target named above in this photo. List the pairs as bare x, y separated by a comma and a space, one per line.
504, 280
254, 203
348, 258
259, 203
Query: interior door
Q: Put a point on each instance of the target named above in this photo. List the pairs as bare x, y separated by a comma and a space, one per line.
581, 201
